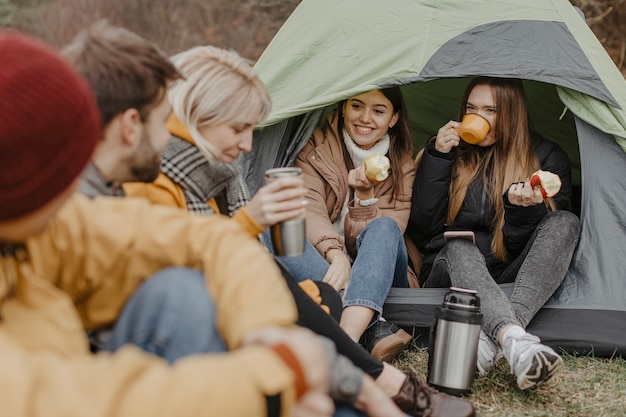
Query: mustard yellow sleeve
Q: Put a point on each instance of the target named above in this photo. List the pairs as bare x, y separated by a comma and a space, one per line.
131, 383
243, 218
99, 251
162, 191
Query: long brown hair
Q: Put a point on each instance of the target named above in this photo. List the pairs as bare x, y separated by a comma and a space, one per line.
400, 142
510, 159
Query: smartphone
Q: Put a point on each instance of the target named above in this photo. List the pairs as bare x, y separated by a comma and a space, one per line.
459, 234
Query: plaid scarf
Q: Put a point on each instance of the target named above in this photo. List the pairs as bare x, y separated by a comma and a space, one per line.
202, 180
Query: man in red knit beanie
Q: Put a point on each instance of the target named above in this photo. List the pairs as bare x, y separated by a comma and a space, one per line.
43, 151
68, 264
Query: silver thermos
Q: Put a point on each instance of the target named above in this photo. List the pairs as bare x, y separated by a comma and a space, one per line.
453, 342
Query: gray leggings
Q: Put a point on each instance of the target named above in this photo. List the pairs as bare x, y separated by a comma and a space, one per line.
537, 272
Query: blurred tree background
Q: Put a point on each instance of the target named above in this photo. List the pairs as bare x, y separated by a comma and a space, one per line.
246, 26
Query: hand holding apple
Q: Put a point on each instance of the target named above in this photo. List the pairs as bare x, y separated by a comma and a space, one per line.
549, 183
377, 168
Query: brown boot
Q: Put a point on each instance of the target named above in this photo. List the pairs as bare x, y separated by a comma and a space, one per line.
417, 399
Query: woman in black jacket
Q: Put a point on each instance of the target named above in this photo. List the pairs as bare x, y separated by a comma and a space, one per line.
520, 236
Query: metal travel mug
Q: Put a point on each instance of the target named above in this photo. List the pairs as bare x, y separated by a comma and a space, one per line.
289, 237
453, 342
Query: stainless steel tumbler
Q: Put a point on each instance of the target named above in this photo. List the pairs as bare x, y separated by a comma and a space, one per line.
289, 237
454, 342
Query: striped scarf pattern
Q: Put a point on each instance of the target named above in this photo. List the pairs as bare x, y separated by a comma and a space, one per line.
202, 180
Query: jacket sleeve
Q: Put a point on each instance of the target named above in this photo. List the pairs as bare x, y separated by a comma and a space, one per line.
319, 228
431, 192
131, 383
98, 252
161, 191
243, 218
398, 208
104, 249
521, 222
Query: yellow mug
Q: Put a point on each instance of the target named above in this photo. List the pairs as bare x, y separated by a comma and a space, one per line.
474, 128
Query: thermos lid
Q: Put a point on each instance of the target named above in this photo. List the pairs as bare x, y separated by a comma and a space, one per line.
462, 298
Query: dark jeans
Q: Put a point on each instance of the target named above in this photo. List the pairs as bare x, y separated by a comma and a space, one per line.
537, 272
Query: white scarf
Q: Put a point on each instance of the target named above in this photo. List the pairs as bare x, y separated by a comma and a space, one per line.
358, 154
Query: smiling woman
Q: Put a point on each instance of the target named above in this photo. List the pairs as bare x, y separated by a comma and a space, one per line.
358, 224
367, 118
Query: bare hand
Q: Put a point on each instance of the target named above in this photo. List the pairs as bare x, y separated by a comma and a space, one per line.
373, 400
279, 201
312, 355
313, 404
522, 194
363, 187
448, 137
338, 272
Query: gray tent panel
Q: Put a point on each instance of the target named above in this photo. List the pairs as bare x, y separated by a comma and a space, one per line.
601, 252
575, 331
532, 50
277, 146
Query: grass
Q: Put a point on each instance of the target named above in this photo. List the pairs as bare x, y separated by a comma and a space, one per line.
586, 386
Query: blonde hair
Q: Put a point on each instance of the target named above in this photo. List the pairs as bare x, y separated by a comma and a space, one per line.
218, 87
511, 159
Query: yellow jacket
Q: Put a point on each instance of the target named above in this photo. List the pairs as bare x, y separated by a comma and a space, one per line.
78, 275
164, 191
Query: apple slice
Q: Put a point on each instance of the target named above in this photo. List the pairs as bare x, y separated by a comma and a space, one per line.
377, 168
549, 183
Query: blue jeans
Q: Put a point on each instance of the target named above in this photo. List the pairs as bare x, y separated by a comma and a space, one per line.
381, 263
309, 265
165, 315
537, 272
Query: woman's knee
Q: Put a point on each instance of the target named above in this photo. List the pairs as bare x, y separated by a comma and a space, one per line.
562, 222
384, 225
178, 289
460, 248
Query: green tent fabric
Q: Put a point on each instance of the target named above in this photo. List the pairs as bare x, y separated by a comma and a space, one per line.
327, 51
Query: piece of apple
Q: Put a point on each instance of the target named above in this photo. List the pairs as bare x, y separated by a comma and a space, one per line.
377, 168
549, 183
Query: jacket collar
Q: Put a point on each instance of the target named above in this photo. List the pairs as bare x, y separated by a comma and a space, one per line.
178, 129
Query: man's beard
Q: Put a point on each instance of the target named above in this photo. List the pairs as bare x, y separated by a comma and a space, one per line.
146, 165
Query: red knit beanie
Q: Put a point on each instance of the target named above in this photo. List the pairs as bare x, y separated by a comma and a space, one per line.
49, 125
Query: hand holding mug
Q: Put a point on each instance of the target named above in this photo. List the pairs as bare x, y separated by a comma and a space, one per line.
474, 128
280, 200
287, 230
448, 137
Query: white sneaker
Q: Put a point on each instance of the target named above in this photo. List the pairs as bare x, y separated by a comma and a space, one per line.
489, 353
531, 362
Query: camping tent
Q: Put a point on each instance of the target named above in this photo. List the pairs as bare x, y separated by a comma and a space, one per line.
329, 50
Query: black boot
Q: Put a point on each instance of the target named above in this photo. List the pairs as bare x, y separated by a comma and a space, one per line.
385, 340
418, 399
